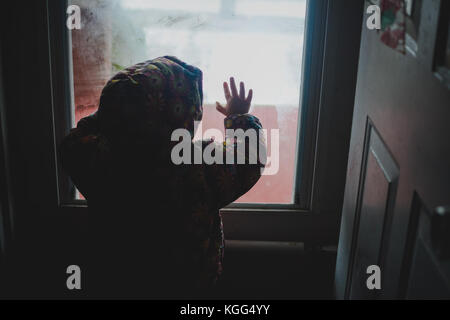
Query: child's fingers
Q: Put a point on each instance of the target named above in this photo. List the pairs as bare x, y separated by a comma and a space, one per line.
250, 96
226, 89
221, 109
242, 91
233, 87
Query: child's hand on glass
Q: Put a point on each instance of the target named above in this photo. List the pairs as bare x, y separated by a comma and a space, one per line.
237, 103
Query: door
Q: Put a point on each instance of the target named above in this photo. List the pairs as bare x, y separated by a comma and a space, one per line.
398, 178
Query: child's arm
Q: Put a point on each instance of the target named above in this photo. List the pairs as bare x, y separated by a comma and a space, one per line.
79, 152
230, 181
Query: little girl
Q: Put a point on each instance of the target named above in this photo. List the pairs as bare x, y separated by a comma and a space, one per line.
155, 228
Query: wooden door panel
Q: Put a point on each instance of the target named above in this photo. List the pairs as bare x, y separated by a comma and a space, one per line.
378, 188
425, 274
403, 104
429, 278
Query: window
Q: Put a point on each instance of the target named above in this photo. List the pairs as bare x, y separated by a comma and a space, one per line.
442, 60
413, 16
257, 41
315, 62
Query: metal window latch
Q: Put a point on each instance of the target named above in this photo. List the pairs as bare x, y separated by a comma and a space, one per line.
440, 231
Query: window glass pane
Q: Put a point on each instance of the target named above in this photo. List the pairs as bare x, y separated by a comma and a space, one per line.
442, 61
257, 41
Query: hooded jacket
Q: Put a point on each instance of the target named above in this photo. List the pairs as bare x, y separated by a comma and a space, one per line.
155, 227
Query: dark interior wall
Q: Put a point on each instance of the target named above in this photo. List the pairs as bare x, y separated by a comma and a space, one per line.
41, 240
3, 177
260, 270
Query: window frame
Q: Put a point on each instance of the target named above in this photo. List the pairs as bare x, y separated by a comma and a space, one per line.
307, 219
63, 95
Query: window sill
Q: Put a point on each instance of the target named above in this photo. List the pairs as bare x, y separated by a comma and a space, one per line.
250, 224
290, 225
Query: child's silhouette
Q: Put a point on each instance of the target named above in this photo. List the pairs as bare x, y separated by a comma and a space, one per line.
155, 226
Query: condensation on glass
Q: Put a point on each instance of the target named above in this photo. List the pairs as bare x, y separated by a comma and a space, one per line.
257, 41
